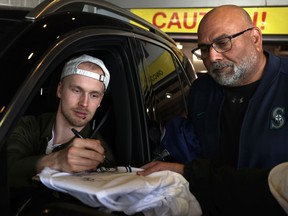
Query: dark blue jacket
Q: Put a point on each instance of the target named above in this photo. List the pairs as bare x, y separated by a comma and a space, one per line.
264, 134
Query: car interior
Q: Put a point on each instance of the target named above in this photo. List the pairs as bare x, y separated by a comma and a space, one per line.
118, 118
46, 100
114, 113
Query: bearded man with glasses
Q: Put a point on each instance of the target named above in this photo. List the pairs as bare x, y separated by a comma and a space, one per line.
238, 111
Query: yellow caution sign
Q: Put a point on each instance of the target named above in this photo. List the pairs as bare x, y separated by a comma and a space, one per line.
271, 20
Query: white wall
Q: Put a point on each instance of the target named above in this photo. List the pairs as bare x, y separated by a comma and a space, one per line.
21, 3
194, 3
164, 3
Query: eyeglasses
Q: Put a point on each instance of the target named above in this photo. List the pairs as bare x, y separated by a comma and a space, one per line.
220, 45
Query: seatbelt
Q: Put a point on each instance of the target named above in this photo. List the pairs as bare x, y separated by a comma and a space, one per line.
104, 118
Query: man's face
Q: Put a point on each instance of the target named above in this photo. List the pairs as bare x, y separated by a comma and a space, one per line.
80, 96
233, 67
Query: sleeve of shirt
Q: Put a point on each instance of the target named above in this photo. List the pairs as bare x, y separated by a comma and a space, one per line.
22, 154
223, 190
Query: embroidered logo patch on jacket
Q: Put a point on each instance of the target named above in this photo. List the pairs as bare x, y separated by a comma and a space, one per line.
277, 118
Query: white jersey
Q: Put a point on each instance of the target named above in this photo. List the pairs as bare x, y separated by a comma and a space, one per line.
160, 193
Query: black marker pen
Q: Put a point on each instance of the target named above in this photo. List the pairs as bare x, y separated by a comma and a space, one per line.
77, 134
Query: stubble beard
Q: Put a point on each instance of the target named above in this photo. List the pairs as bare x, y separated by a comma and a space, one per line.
238, 73
73, 120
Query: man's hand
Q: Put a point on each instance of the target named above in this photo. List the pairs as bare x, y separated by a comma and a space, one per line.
159, 165
80, 155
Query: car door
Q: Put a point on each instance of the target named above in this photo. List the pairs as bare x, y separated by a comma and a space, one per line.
36, 94
32, 64
165, 78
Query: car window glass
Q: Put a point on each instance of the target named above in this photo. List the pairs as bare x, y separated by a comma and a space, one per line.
163, 76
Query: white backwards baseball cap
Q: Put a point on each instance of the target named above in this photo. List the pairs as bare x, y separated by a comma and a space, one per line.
71, 68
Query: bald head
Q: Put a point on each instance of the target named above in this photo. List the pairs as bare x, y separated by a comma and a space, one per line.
230, 17
231, 46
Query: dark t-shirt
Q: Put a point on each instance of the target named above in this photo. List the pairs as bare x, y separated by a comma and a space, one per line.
234, 108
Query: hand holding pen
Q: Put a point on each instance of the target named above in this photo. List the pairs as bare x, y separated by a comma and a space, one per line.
78, 156
77, 134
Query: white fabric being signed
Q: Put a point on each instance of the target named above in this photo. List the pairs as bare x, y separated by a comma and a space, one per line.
160, 193
278, 183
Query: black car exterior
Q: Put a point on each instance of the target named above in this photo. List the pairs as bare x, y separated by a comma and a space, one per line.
150, 79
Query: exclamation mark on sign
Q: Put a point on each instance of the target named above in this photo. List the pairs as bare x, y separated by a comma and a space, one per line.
263, 20
255, 17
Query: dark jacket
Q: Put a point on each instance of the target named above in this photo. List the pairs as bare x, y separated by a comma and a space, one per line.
28, 143
263, 139
242, 190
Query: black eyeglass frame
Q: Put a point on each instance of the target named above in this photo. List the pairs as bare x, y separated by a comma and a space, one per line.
230, 37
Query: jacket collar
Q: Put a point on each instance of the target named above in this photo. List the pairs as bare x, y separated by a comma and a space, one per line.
271, 70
